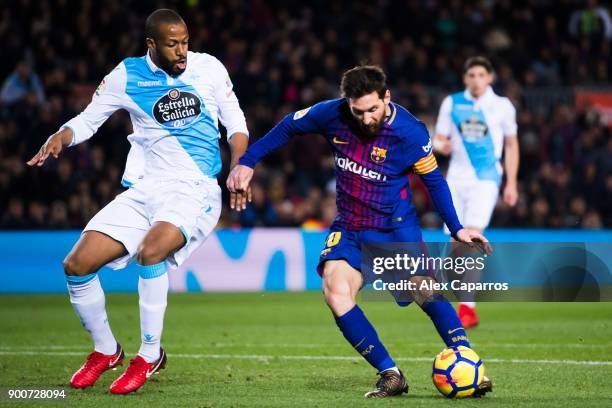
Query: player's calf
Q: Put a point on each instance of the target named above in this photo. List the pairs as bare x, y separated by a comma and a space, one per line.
441, 313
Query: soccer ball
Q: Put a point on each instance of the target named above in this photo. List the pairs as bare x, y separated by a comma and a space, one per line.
457, 371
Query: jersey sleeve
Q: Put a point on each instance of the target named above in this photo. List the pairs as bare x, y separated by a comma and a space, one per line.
422, 154
230, 114
444, 123
296, 123
107, 99
509, 125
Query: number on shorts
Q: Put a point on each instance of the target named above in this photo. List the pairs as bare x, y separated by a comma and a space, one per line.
333, 239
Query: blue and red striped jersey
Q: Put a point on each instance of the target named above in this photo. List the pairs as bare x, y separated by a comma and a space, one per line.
372, 184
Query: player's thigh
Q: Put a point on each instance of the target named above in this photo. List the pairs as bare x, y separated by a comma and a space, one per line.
92, 251
481, 204
175, 209
160, 241
340, 278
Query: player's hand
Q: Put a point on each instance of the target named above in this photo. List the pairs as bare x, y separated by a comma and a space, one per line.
238, 184
442, 145
53, 146
474, 240
510, 194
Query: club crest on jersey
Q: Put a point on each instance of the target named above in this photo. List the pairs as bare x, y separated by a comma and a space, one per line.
378, 155
473, 129
177, 109
101, 87
301, 113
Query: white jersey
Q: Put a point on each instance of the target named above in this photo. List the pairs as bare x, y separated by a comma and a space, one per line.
175, 119
134, 165
477, 129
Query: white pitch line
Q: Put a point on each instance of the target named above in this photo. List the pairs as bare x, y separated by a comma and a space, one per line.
264, 357
323, 345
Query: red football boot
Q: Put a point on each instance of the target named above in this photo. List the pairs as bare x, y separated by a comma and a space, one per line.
96, 364
137, 373
468, 316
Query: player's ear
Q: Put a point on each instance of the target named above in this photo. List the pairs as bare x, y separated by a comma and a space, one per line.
151, 44
387, 97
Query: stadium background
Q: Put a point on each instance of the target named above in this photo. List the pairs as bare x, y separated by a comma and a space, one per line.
271, 348
552, 59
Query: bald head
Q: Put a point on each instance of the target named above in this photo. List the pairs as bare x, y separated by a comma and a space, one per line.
160, 17
167, 40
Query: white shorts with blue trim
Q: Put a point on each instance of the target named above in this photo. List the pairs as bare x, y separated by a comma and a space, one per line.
474, 202
192, 205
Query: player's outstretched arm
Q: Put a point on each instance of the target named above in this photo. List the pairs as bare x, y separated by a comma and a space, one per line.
511, 165
296, 123
239, 195
53, 146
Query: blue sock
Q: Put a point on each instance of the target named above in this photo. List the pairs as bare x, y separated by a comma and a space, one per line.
361, 334
448, 325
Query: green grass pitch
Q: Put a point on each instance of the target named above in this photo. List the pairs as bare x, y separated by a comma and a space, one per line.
284, 350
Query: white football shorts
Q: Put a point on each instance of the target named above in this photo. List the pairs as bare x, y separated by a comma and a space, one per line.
474, 202
194, 206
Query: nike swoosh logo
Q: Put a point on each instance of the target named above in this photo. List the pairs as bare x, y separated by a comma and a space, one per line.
359, 344
454, 330
336, 141
113, 362
154, 369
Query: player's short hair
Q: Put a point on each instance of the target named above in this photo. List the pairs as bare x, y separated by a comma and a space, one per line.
478, 61
158, 17
363, 80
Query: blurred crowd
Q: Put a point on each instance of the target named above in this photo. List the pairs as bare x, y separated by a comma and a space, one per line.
286, 55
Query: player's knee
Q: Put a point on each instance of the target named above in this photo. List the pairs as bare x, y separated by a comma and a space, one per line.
424, 289
149, 254
75, 265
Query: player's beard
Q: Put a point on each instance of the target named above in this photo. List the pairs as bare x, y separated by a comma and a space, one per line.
170, 67
372, 130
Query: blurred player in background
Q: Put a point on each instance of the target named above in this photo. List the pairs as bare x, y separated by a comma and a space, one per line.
174, 98
475, 127
376, 144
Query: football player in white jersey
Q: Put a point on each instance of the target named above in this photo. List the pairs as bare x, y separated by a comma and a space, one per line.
475, 127
175, 99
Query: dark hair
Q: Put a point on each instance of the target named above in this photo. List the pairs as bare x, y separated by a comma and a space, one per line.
363, 80
478, 61
160, 16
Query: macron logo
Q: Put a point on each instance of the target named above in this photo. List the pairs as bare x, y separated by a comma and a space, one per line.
427, 147
148, 83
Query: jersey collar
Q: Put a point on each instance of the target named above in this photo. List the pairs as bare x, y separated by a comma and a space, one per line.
488, 93
154, 68
391, 117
